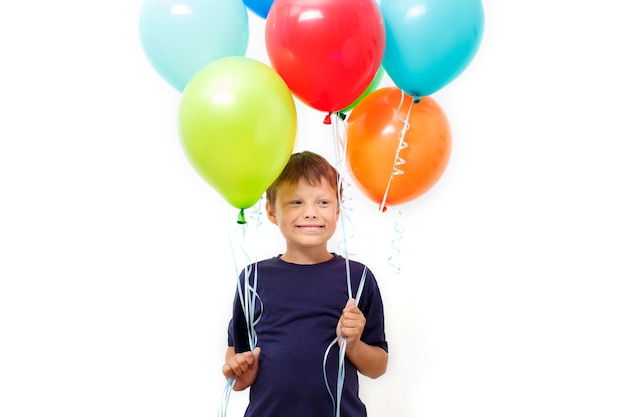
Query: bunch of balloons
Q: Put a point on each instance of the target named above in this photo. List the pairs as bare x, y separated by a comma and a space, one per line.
398, 138
237, 117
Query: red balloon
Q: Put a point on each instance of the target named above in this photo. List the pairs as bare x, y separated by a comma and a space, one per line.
327, 51
374, 149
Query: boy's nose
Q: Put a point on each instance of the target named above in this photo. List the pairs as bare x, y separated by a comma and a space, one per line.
310, 210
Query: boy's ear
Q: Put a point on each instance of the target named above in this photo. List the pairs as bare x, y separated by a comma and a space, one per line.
270, 212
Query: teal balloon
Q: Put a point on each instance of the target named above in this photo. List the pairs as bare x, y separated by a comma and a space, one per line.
180, 37
430, 42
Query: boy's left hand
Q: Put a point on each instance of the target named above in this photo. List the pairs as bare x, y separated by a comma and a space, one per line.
351, 324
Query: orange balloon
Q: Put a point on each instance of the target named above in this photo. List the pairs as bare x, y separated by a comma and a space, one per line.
387, 169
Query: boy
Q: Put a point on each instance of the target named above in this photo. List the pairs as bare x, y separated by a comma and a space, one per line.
303, 293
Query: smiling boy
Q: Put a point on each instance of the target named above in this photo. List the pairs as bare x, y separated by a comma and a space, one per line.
306, 305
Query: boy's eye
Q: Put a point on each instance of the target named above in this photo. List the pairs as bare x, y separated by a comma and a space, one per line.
295, 202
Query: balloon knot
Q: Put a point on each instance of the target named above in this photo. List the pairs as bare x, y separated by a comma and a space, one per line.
241, 218
416, 99
341, 115
327, 119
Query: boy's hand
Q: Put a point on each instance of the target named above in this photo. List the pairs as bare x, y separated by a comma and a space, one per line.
243, 366
351, 324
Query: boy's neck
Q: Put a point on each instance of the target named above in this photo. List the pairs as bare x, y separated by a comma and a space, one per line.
306, 257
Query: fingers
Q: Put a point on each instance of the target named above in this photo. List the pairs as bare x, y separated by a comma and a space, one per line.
240, 363
351, 307
352, 321
352, 328
256, 353
351, 312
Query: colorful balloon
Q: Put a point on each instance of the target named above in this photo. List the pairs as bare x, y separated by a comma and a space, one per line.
181, 36
373, 86
327, 51
391, 167
430, 42
237, 123
260, 7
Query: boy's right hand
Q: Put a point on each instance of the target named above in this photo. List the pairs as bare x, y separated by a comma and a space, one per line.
243, 366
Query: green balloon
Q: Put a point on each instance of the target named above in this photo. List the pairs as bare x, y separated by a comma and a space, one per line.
237, 124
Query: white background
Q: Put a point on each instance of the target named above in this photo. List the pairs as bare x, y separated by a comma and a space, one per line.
115, 272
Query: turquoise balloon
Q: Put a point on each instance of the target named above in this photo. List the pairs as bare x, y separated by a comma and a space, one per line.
180, 37
430, 42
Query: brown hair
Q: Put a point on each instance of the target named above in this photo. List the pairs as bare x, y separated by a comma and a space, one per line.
311, 167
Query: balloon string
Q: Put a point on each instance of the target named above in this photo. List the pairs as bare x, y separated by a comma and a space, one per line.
255, 215
395, 243
228, 389
340, 140
341, 374
246, 291
397, 161
341, 369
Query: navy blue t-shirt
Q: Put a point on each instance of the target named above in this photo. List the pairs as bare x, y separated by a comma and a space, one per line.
301, 307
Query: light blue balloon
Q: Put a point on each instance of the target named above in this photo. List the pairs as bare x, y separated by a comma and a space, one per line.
180, 37
430, 42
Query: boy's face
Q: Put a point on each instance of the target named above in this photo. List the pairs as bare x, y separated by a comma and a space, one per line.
305, 214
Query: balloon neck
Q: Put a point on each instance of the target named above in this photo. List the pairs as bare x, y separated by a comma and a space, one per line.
416, 99
341, 115
241, 218
382, 208
327, 119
